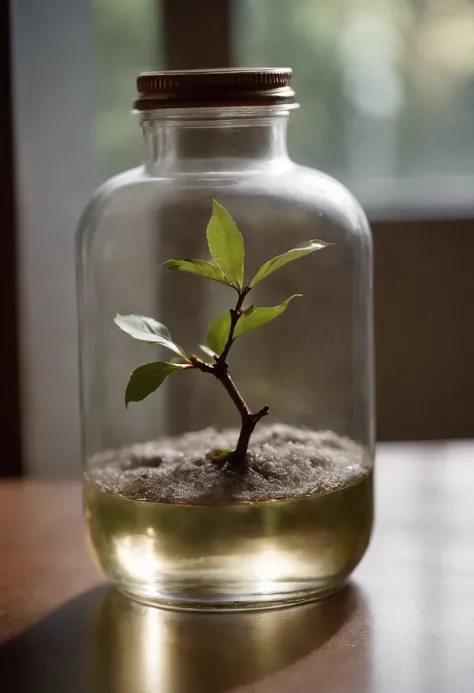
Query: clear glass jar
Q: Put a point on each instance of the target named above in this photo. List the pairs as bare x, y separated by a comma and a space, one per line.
221, 135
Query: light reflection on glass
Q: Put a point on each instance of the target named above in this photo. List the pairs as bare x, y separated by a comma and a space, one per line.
140, 556
272, 567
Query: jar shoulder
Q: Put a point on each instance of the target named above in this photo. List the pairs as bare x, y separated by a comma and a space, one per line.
107, 193
328, 198
298, 192
120, 199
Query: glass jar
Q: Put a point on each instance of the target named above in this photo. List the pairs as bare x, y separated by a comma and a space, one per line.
172, 515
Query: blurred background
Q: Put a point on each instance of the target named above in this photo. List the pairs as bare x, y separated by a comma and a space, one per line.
386, 89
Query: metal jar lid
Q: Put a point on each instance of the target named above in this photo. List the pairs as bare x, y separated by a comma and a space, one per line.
260, 86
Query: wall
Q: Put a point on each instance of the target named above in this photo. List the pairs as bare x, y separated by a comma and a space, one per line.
56, 172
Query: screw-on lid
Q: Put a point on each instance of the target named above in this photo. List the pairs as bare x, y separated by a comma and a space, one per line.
260, 86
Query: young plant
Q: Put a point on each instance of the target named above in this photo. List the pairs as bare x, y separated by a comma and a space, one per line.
226, 246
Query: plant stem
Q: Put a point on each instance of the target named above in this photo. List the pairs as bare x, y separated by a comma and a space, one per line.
220, 370
248, 425
234, 394
235, 314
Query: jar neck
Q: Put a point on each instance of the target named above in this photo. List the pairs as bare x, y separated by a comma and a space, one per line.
216, 140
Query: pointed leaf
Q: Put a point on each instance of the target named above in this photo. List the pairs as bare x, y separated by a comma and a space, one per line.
208, 352
256, 317
281, 260
148, 378
218, 333
148, 330
200, 267
143, 328
226, 245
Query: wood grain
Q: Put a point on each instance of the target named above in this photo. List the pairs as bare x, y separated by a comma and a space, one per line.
405, 623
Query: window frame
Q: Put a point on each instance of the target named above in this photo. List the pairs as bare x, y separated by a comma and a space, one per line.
11, 462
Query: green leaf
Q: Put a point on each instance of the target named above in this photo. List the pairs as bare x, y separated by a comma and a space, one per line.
251, 318
148, 378
208, 352
226, 245
218, 333
148, 330
218, 454
281, 260
200, 267
256, 317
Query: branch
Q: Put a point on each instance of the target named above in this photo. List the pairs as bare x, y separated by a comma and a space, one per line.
248, 426
235, 314
220, 370
235, 395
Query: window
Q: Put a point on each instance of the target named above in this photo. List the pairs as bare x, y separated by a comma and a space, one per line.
388, 93
127, 41
386, 86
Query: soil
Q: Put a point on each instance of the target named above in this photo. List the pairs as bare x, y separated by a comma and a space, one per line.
283, 462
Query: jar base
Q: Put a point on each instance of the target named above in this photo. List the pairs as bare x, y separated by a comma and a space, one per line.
236, 556
278, 596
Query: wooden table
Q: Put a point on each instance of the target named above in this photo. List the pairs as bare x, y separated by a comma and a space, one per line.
404, 625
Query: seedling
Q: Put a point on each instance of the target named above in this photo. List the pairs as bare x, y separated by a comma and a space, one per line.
226, 247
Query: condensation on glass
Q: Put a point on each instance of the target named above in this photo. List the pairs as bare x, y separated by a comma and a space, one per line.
222, 135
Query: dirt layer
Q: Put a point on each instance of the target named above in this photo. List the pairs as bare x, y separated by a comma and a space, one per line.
283, 462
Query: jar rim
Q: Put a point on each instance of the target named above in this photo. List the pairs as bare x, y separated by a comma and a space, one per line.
212, 115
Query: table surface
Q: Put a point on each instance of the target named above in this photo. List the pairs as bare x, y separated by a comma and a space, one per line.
405, 624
